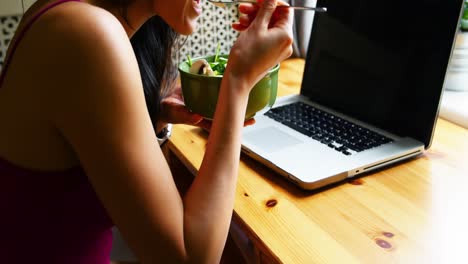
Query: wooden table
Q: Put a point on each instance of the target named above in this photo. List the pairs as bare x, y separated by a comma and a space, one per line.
415, 212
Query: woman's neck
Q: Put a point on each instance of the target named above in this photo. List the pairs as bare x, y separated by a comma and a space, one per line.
138, 12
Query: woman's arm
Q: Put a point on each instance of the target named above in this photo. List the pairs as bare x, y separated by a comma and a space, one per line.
265, 42
97, 104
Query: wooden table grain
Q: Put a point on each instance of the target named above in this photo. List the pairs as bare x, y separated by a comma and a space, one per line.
414, 212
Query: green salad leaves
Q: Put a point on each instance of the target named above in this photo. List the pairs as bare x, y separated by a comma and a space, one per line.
189, 61
218, 65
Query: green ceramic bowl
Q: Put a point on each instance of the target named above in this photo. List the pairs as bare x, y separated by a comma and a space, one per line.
200, 92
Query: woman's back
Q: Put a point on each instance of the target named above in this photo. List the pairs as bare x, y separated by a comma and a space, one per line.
27, 138
49, 209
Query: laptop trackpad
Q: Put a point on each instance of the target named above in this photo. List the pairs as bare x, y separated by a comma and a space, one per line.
271, 139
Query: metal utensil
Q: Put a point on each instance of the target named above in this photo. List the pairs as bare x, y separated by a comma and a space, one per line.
227, 3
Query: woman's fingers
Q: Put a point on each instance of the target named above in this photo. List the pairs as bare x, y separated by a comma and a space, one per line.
237, 26
248, 9
282, 17
175, 112
248, 12
247, 15
249, 122
206, 124
245, 20
266, 39
265, 12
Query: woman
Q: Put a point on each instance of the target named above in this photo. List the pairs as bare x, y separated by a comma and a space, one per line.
78, 149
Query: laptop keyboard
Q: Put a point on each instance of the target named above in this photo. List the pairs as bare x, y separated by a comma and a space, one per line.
333, 131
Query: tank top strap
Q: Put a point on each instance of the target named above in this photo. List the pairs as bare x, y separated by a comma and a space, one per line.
23, 32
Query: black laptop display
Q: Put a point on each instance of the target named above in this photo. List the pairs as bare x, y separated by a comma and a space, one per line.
381, 61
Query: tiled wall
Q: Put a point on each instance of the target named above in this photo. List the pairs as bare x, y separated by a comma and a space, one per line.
214, 27
7, 29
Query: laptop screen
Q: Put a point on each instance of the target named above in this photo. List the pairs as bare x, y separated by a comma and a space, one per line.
382, 62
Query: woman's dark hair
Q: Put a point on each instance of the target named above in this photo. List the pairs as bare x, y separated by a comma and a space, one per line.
152, 44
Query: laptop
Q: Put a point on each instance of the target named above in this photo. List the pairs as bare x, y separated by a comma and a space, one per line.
370, 92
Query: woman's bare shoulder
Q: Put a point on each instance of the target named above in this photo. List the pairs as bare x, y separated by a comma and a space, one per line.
81, 39
91, 57
81, 21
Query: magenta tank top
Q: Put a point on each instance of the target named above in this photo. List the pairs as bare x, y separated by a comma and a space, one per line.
50, 217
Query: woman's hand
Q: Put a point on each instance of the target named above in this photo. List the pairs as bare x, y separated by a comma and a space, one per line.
265, 40
173, 111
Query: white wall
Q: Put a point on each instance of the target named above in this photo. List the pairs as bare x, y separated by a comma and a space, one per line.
10, 7
10, 14
14, 7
